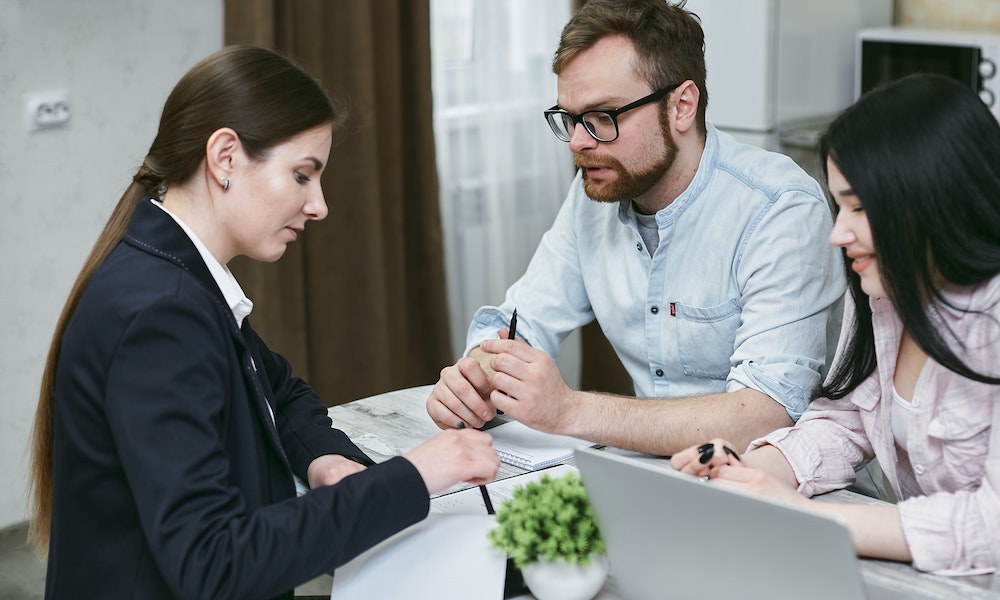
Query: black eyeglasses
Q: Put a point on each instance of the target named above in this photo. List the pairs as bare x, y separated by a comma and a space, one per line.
602, 125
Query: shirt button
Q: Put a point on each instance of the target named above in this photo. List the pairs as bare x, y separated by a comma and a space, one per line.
918, 469
638, 247
659, 372
654, 309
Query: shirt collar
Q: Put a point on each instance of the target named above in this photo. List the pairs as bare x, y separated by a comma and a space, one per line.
236, 299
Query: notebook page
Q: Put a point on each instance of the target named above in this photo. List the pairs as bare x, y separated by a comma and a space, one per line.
521, 446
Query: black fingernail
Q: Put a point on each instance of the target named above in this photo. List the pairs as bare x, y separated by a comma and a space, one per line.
703, 447
461, 425
707, 454
731, 452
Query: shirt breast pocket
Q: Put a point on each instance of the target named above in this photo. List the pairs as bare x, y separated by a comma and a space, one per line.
705, 338
961, 436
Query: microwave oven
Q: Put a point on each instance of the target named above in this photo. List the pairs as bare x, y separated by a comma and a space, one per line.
888, 53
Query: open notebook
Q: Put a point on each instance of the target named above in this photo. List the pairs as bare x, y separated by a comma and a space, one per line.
527, 448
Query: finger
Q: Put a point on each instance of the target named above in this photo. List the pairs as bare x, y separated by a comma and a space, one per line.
475, 375
471, 386
460, 405
717, 452
680, 459
513, 347
473, 439
444, 406
706, 451
440, 413
505, 403
690, 466
483, 460
506, 384
731, 473
718, 477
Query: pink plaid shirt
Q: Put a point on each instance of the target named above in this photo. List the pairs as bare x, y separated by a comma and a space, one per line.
949, 482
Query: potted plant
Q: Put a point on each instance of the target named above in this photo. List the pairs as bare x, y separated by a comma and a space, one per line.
549, 530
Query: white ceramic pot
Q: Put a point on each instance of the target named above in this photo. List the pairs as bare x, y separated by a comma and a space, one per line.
560, 580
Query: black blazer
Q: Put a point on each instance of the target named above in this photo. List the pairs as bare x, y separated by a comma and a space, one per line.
170, 480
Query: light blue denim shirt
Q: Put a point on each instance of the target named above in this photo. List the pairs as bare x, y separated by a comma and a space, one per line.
744, 289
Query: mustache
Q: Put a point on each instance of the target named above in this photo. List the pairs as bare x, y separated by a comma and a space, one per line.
587, 162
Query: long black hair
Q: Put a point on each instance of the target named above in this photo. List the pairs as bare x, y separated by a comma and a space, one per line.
922, 154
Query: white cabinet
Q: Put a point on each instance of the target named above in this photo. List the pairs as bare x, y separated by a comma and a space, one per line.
772, 62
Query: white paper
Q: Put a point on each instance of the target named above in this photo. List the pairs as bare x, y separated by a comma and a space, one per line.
470, 501
444, 557
521, 446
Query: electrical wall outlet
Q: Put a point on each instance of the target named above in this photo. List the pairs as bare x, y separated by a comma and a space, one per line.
47, 110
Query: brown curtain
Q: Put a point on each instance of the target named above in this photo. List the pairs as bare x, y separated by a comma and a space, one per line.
358, 304
600, 368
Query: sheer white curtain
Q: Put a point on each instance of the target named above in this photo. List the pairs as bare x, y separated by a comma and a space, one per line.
503, 175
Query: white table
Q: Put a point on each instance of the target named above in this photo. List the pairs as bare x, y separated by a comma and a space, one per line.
393, 423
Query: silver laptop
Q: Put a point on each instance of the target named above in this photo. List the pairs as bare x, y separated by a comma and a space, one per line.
671, 535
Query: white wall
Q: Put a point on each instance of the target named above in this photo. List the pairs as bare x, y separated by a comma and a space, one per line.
118, 59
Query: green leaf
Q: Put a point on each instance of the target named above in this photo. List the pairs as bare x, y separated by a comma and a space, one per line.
551, 518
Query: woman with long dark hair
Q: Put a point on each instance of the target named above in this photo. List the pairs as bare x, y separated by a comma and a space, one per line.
914, 171
168, 436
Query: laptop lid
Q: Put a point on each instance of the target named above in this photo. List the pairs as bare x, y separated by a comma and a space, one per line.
671, 535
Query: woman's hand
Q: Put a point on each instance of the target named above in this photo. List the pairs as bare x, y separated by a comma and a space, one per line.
330, 469
717, 461
455, 455
701, 460
758, 482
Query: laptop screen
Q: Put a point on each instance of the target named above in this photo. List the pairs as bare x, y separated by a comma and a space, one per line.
671, 535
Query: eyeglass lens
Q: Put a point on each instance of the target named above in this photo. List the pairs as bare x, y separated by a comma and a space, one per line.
600, 125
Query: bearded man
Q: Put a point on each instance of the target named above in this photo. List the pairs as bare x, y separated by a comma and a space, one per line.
704, 260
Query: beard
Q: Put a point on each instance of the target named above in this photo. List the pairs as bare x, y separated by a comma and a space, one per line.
627, 185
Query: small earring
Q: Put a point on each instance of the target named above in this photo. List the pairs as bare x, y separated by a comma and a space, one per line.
225, 184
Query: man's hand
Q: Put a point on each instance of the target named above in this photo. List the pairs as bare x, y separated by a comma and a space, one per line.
527, 386
462, 393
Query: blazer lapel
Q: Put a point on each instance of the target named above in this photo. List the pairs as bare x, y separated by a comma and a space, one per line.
152, 230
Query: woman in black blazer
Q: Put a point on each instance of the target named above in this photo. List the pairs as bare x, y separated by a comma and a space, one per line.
167, 433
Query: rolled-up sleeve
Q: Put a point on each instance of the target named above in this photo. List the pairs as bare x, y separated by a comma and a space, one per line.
792, 284
953, 533
958, 533
825, 448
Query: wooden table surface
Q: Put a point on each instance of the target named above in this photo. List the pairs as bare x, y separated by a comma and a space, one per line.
393, 423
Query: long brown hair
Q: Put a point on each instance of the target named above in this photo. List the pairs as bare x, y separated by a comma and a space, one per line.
262, 96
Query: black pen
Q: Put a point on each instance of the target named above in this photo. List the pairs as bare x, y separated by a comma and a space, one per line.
482, 488
511, 330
